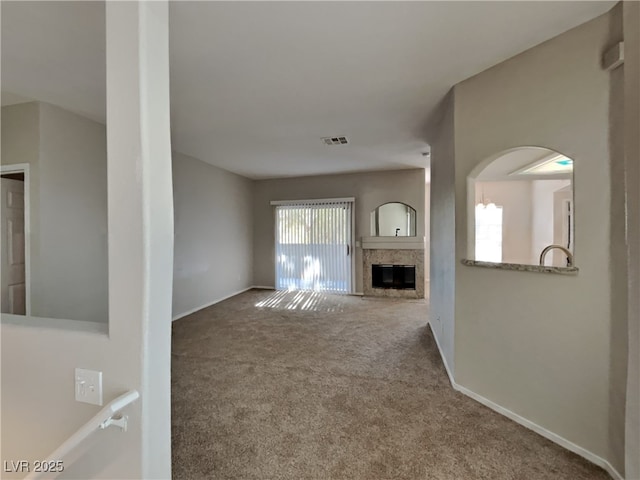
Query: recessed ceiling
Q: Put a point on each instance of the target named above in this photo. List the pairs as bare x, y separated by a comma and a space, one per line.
255, 86
553, 164
520, 164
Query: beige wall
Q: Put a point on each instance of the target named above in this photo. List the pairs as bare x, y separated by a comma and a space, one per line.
71, 278
68, 167
38, 406
618, 255
39, 356
427, 234
67, 157
369, 189
20, 133
213, 234
542, 348
442, 237
631, 25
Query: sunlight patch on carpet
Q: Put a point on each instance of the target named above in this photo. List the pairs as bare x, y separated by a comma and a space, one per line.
301, 300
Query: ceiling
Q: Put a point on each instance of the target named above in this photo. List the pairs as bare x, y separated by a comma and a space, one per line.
255, 85
55, 52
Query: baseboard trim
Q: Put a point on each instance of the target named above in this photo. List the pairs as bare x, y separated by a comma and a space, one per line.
444, 359
194, 310
555, 438
549, 435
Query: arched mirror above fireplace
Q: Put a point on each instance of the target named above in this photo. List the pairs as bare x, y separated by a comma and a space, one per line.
393, 219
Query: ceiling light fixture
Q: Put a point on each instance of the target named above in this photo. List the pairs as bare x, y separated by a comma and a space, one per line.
484, 204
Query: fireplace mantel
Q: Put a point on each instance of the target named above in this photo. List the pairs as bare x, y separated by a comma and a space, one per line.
393, 243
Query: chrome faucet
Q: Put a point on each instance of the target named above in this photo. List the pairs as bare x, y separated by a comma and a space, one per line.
551, 247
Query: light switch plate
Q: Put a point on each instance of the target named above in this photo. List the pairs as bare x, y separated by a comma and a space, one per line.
88, 384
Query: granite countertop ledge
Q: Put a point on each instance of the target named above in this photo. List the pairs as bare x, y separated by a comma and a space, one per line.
522, 267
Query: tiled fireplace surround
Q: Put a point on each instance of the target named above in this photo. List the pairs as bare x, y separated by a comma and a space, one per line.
393, 251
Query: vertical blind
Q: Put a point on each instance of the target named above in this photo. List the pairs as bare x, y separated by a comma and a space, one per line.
313, 246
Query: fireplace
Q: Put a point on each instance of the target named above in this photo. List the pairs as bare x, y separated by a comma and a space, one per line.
408, 263
398, 277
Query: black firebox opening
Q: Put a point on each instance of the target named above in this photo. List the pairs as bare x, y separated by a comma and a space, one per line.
400, 277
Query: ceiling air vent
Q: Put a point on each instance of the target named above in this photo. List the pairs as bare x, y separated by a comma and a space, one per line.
335, 140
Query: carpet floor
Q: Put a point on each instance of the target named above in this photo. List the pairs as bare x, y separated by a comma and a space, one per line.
279, 385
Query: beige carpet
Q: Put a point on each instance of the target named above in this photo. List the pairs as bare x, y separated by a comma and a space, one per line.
270, 385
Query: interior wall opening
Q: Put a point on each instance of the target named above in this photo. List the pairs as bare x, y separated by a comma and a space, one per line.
521, 209
53, 125
13, 250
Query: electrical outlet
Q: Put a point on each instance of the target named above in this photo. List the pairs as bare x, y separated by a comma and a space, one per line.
88, 384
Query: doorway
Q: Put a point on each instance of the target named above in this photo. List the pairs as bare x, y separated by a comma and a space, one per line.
14, 251
562, 223
314, 246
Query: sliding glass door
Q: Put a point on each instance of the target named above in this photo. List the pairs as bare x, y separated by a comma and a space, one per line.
313, 246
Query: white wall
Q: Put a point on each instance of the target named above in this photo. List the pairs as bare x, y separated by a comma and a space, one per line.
542, 348
517, 209
213, 234
68, 180
369, 189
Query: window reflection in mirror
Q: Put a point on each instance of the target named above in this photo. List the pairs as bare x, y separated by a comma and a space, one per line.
393, 219
521, 203
54, 161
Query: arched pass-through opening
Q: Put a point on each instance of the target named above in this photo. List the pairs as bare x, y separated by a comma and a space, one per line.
520, 204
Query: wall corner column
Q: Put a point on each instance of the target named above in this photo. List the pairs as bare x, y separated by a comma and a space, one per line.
141, 215
631, 29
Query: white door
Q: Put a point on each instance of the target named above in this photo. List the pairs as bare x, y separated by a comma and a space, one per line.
313, 247
563, 227
12, 247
